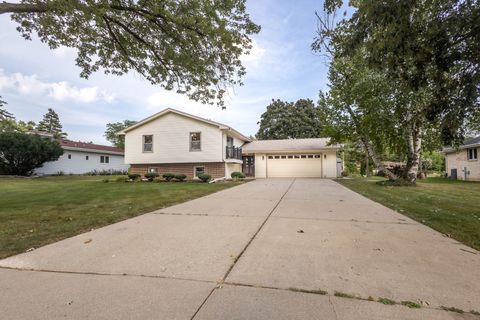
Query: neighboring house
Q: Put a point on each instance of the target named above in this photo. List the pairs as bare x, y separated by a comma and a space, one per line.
81, 157
462, 163
178, 142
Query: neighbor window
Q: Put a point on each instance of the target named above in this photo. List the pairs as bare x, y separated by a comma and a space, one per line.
472, 154
86, 157
69, 156
195, 141
153, 170
148, 143
104, 159
198, 171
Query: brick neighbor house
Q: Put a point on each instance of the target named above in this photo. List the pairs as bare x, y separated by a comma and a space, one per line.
462, 162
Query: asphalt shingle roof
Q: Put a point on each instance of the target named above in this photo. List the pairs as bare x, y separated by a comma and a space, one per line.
289, 145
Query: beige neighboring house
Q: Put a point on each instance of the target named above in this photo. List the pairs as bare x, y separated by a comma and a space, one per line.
178, 142
462, 163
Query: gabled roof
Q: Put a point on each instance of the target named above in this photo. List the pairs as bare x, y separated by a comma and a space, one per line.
88, 147
286, 145
184, 114
470, 143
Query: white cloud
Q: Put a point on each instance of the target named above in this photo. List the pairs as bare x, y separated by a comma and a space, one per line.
256, 54
59, 91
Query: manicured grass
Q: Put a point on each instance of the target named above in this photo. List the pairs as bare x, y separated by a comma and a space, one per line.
450, 207
38, 211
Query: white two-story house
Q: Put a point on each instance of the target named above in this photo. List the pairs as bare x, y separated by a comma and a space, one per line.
177, 142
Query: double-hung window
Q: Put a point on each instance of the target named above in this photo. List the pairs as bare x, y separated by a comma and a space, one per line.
148, 143
195, 141
472, 154
104, 159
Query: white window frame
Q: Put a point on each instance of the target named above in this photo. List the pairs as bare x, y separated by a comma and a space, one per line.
472, 154
152, 169
144, 143
195, 170
190, 141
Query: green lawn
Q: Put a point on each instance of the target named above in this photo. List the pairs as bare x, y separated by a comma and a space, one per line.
450, 207
38, 211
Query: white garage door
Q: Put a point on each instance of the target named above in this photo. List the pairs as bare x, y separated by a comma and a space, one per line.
294, 165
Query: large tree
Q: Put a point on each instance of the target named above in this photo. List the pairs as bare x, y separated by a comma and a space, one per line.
4, 114
51, 124
429, 51
288, 120
193, 46
112, 130
21, 153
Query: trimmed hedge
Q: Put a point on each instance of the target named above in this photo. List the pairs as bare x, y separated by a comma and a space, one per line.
151, 175
237, 175
134, 176
168, 176
205, 177
180, 177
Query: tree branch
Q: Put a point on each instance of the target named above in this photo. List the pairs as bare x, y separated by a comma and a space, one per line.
6, 7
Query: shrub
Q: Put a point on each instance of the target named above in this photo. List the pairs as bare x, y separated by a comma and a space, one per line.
204, 177
151, 175
180, 177
106, 180
237, 175
344, 173
122, 179
133, 176
168, 176
21, 153
59, 173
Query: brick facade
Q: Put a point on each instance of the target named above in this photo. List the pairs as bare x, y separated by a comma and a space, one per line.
215, 169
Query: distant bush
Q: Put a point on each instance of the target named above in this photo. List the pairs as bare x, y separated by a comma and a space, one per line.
106, 180
122, 179
106, 173
59, 173
134, 176
237, 175
345, 173
180, 177
168, 176
22, 153
151, 175
205, 177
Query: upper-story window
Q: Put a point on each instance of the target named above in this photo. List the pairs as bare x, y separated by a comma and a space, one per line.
229, 141
148, 143
195, 141
472, 154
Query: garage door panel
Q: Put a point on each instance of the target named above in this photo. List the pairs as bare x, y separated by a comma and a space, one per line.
294, 167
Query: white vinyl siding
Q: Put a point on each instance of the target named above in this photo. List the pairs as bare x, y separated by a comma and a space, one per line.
171, 141
78, 163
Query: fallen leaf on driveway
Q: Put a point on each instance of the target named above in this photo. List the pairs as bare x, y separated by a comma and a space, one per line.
300, 231
87, 241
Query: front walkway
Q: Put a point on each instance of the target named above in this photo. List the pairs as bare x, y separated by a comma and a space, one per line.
268, 249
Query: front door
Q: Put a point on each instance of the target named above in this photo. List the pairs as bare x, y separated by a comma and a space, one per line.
249, 166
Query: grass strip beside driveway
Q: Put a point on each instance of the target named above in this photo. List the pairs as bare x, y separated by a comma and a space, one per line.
448, 206
38, 211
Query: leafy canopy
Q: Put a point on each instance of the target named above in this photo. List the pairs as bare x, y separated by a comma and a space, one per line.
193, 46
113, 129
288, 120
21, 153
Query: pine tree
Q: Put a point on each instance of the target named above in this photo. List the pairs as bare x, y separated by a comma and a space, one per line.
4, 114
51, 124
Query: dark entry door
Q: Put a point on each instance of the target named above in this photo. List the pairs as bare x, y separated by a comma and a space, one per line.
249, 166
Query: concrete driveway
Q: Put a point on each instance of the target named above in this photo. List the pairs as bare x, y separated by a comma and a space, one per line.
268, 249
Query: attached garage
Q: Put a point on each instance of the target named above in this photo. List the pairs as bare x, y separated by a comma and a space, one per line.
294, 165
293, 158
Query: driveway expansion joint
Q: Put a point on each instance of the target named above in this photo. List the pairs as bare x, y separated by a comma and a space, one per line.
222, 281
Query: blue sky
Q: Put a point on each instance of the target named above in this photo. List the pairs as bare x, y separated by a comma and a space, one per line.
281, 65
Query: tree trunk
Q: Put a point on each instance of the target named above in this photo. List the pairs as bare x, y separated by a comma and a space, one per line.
376, 160
6, 7
414, 143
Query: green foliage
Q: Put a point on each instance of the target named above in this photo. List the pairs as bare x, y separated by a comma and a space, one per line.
193, 47
411, 304
133, 176
151, 176
4, 114
386, 301
122, 179
205, 177
180, 177
288, 120
21, 153
237, 175
168, 176
112, 130
51, 124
